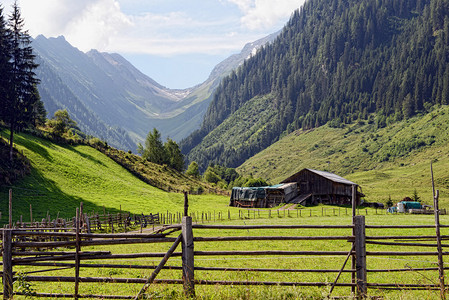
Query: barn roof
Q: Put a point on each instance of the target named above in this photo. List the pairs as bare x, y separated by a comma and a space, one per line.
331, 176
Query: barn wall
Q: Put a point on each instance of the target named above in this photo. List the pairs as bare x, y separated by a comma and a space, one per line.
341, 189
309, 183
323, 189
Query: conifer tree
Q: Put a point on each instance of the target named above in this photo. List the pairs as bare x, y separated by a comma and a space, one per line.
154, 149
4, 64
175, 158
21, 95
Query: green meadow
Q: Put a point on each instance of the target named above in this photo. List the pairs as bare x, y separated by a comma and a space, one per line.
165, 291
62, 176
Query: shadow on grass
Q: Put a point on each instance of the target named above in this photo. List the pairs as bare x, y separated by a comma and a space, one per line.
45, 197
84, 155
34, 145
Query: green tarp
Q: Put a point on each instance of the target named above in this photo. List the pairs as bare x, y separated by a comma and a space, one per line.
248, 193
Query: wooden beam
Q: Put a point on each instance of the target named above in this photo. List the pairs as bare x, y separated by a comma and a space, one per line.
8, 291
188, 273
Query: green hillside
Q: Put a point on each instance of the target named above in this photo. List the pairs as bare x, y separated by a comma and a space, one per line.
390, 161
62, 176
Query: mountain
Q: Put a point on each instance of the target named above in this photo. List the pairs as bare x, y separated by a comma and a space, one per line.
109, 98
335, 61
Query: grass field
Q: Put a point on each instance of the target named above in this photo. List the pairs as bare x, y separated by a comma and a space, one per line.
62, 176
285, 262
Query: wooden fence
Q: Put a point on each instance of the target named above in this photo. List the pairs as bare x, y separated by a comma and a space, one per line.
18, 251
124, 221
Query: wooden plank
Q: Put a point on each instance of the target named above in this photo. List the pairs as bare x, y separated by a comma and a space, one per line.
92, 242
269, 252
404, 244
245, 227
27, 232
188, 273
7, 265
402, 226
48, 253
91, 296
401, 237
118, 266
77, 253
186, 205
360, 255
270, 238
438, 236
407, 253
177, 281
354, 212
10, 208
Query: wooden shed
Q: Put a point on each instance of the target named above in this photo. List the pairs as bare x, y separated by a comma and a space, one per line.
322, 187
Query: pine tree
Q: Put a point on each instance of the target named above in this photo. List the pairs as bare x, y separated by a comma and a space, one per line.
21, 95
4, 64
154, 149
174, 156
193, 170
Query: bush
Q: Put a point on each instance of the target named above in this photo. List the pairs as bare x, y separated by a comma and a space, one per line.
253, 182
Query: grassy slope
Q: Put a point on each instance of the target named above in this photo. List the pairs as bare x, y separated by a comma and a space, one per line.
62, 176
389, 161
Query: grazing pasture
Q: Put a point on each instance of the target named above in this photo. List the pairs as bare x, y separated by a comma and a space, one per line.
296, 263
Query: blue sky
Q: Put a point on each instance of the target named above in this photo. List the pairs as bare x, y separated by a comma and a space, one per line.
177, 43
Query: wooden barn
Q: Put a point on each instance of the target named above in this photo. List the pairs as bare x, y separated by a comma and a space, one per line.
322, 187
263, 197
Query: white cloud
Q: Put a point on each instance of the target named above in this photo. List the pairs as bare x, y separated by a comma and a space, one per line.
86, 24
262, 14
162, 29
98, 23
174, 46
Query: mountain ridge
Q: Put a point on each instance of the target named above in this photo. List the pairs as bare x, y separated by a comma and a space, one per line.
111, 90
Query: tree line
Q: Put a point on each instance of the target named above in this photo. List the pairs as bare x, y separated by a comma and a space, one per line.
21, 106
336, 61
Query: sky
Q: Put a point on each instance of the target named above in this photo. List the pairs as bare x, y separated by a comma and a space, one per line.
177, 43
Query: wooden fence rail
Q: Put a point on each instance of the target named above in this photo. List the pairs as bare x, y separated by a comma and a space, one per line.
123, 221
28, 253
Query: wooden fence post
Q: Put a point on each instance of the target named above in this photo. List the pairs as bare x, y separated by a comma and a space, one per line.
7, 264
354, 206
360, 255
186, 205
439, 246
77, 251
438, 237
10, 208
188, 275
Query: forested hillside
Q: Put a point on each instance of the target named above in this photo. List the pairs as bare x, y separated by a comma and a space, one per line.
335, 61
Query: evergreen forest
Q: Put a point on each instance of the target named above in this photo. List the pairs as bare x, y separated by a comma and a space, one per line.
335, 61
